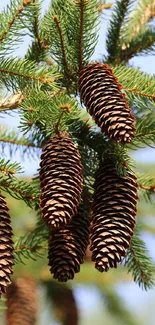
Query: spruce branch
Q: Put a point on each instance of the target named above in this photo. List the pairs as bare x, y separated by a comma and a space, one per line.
8, 168
18, 188
146, 184
81, 4
13, 141
145, 134
46, 111
143, 12
22, 73
139, 263
12, 20
114, 33
57, 22
33, 244
136, 82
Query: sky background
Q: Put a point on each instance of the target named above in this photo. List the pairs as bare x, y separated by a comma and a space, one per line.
136, 299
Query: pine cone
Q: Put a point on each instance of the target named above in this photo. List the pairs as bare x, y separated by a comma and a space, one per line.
61, 180
113, 219
22, 305
67, 247
6, 246
102, 95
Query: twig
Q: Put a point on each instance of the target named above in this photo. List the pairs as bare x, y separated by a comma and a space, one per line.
41, 43
104, 6
81, 4
148, 188
16, 190
11, 22
139, 92
65, 108
19, 144
13, 73
144, 134
62, 44
11, 102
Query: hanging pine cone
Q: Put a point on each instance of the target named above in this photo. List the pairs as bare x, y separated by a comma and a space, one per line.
102, 95
61, 180
22, 302
113, 219
6, 246
67, 247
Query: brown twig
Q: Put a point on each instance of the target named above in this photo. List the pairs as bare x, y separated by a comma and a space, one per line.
32, 248
133, 90
144, 134
56, 19
81, 3
64, 108
41, 43
16, 190
11, 22
147, 188
19, 144
43, 79
104, 6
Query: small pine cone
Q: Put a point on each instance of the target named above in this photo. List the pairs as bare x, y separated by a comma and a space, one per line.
6, 246
113, 219
22, 302
67, 247
102, 95
61, 180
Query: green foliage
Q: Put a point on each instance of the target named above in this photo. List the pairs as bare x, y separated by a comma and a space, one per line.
48, 112
19, 74
15, 22
139, 263
33, 244
114, 32
12, 140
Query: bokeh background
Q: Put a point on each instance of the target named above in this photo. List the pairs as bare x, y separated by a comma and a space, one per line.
89, 287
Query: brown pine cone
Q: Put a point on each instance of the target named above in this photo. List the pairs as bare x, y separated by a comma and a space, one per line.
67, 247
113, 219
22, 302
101, 93
6, 246
61, 180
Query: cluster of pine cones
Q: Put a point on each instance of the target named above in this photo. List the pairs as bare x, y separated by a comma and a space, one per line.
114, 201
115, 197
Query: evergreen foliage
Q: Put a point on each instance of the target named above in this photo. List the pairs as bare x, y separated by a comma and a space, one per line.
62, 42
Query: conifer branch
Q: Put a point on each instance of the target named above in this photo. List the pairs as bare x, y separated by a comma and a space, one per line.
81, 3
139, 263
8, 168
113, 37
20, 143
148, 188
11, 22
43, 79
62, 44
137, 92
15, 190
